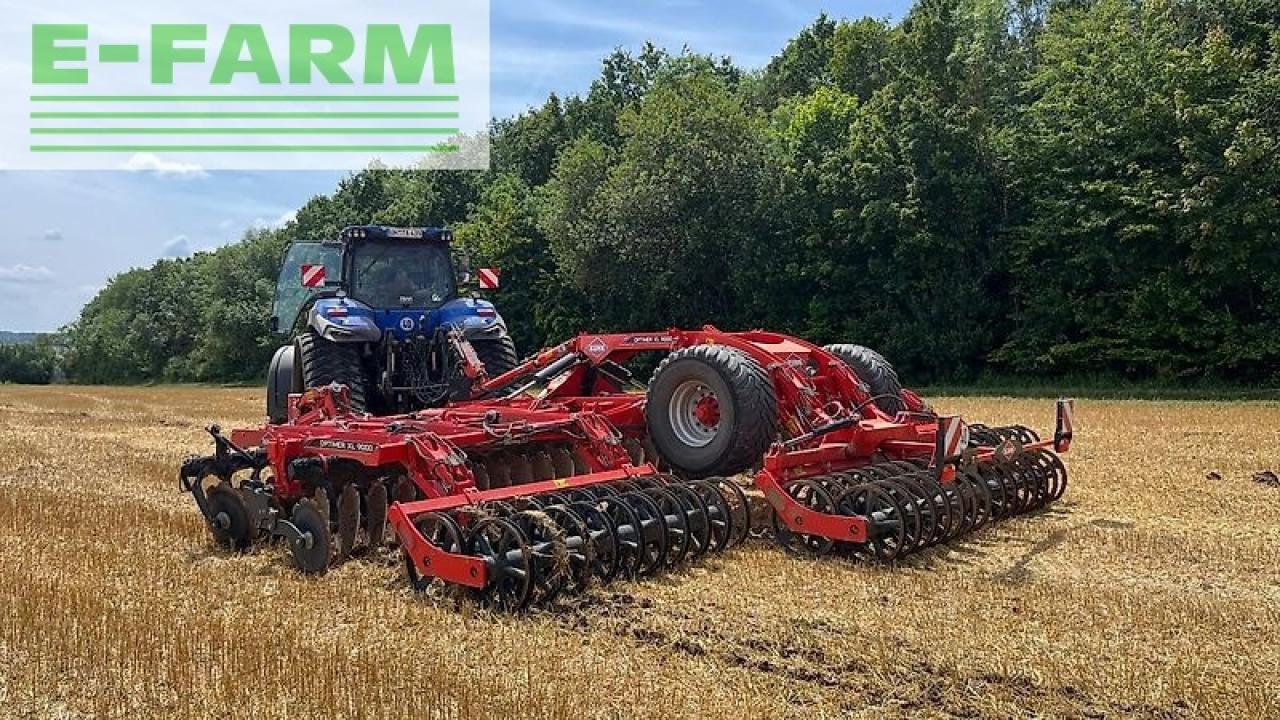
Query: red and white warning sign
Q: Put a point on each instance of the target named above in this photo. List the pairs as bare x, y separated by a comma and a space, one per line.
1067, 413
1066, 424
955, 436
312, 276
490, 278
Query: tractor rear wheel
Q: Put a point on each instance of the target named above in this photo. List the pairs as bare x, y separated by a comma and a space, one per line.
498, 355
711, 410
324, 362
872, 369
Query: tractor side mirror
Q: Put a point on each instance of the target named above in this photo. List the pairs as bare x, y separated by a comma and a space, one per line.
462, 265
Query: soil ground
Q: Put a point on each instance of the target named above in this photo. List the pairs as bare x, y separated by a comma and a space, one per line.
1150, 590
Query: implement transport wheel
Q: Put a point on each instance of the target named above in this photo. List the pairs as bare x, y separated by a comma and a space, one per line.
711, 410
311, 551
323, 362
872, 369
228, 518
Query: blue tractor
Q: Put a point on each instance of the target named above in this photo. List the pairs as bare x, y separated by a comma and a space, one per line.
379, 310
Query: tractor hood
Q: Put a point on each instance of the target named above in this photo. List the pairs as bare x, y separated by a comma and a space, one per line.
344, 320
348, 320
476, 318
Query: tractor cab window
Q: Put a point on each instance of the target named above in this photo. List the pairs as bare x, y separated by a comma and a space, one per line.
401, 274
294, 288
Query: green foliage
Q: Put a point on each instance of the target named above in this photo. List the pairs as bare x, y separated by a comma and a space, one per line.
29, 363
1030, 188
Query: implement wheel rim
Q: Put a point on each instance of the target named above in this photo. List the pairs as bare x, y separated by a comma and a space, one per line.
694, 413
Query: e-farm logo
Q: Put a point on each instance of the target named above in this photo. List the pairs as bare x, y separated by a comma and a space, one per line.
288, 91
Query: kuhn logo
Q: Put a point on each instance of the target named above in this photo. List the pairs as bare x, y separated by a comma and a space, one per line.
346, 445
597, 348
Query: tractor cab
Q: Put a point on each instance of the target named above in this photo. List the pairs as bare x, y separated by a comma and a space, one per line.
371, 309
395, 273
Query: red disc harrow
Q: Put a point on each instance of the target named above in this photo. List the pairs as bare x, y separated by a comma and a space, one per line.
565, 472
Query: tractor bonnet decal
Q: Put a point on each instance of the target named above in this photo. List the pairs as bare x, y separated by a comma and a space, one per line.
406, 324
312, 276
489, 278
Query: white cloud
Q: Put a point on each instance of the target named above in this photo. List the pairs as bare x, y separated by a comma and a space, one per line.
147, 162
279, 222
25, 274
53, 234
177, 247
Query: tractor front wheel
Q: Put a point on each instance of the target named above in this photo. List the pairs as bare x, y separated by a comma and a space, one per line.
324, 362
283, 377
711, 410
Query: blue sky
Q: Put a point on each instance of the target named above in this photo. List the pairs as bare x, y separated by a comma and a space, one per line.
68, 232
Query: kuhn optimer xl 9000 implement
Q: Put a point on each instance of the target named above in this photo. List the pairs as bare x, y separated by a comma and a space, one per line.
564, 470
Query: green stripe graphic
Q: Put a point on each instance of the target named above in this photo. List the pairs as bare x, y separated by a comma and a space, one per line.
246, 148
244, 98
241, 115
242, 131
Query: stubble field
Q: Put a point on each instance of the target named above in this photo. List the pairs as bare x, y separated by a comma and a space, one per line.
1150, 590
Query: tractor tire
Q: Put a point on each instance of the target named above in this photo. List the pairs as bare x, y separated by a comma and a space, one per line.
872, 369
324, 362
498, 355
283, 377
711, 410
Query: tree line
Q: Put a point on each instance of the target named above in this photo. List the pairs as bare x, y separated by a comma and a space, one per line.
1018, 187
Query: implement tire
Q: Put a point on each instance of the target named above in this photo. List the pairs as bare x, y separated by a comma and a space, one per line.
711, 410
324, 362
872, 369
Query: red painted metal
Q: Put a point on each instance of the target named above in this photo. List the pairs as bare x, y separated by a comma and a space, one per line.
829, 424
